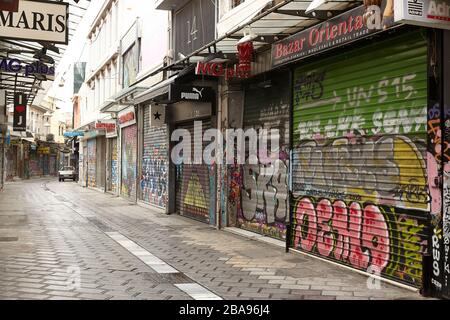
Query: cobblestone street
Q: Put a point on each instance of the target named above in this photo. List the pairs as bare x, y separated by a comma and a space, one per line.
50, 232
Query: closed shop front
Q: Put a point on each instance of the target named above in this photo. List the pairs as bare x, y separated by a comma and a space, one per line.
360, 162
264, 194
195, 183
92, 163
155, 164
53, 165
100, 157
113, 166
128, 159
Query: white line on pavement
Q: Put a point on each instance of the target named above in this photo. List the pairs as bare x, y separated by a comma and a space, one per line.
194, 290
197, 292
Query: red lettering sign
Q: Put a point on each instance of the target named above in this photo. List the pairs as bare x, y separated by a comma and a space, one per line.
126, 117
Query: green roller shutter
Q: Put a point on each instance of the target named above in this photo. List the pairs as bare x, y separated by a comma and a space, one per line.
359, 173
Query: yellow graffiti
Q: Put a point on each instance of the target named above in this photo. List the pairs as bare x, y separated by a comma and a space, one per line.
195, 194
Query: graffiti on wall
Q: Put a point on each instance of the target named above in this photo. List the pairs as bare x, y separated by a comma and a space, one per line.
129, 157
154, 176
195, 191
361, 167
114, 166
91, 163
259, 193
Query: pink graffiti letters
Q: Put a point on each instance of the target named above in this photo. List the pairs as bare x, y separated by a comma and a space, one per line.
354, 234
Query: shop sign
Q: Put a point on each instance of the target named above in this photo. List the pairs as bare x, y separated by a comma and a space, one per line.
9, 5
43, 150
191, 93
215, 69
109, 126
37, 21
127, 117
18, 66
14, 142
245, 56
157, 115
20, 112
426, 13
73, 134
350, 26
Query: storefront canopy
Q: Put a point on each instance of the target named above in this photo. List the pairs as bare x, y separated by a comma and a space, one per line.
268, 26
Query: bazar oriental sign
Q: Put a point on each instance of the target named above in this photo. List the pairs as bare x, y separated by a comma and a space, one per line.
36, 20
343, 29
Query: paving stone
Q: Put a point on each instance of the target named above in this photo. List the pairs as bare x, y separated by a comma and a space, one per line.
231, 265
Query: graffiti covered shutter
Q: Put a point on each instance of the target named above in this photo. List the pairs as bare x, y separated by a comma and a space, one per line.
129, 157
101, 162
155, 164
113, 166
92, 162
264, 194
195, 184
359, 163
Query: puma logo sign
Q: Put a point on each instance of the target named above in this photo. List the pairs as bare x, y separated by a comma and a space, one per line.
196, 95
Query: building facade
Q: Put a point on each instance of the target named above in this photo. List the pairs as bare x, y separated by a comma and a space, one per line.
352, 103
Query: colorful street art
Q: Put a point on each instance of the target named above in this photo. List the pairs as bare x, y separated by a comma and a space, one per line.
129, 157
154, 176
114, 166
195, 192
361, 168
259, 193
92, 163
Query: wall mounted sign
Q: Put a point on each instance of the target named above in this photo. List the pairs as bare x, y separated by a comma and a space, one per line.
157, 115
17, 66
127, 117
426, 13
194, 25
109, 126
20, 111
219, 70
73, 134
43, 150
245, 56
37, 20
9, 5
350, 26
190, 93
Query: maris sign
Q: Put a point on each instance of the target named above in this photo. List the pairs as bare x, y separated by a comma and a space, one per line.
37, 21
426, 13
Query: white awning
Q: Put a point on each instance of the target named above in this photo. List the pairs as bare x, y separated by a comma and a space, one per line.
329, 5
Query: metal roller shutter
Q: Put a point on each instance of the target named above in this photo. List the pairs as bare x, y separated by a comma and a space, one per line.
101, 162
113, 165
360, 194
155, 164
194, 183
264, 197
129, 157
92, 163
